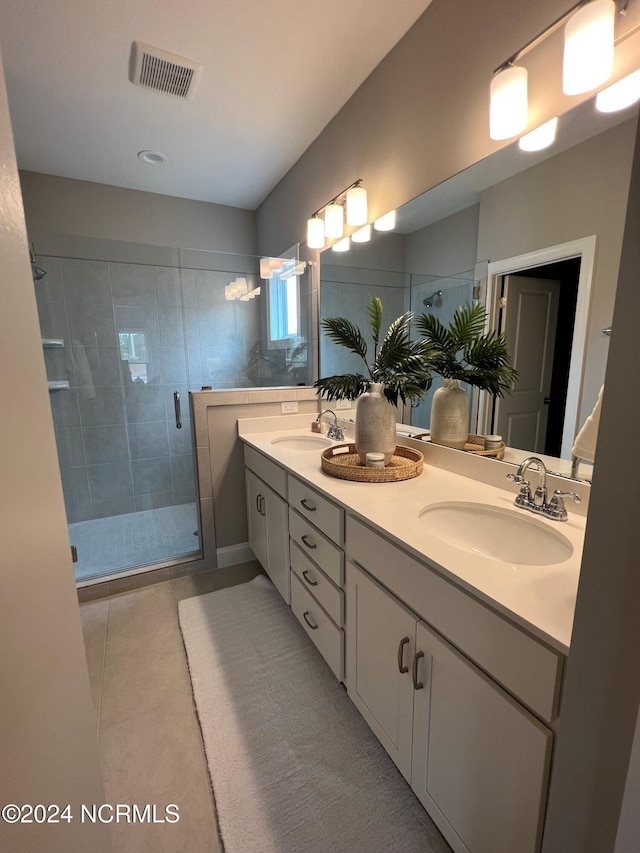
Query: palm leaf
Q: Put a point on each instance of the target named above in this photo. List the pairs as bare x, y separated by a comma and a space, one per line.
346, 334
468, 324
347, 386
374, 316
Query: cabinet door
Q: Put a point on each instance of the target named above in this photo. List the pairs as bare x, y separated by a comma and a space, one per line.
277, 526
380, 642
256, 518
480, 760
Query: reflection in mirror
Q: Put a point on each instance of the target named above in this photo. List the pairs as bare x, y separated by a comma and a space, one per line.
454, 243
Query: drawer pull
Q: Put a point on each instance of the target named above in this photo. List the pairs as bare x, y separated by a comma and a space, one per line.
309, 507
401, 667
309, 623
417, 685
307, 542
311, 582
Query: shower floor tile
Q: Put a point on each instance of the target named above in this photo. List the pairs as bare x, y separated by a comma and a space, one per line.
109, 545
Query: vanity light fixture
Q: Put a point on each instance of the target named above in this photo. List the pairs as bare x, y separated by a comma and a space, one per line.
357, 213
315, 232
386, 222
354, 199
588, 47
509, 102
620, 95
363, 235
333, 220
541, 137
266, 270
342, 245
587, 63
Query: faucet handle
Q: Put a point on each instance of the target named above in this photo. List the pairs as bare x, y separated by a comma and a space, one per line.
524, 497
556, 508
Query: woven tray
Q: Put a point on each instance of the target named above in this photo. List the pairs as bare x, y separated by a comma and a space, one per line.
475, 444
345, 464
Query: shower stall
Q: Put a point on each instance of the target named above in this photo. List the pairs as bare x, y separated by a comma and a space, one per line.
124, 343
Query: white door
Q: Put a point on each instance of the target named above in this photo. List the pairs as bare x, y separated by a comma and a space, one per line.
480, 760
380, 648
529, 323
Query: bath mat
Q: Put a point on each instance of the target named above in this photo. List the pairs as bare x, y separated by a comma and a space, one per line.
294, 767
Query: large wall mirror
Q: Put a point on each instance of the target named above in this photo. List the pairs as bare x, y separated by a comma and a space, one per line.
536, 237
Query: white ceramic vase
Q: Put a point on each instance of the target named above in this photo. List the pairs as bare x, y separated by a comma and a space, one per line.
375, 424
450, 415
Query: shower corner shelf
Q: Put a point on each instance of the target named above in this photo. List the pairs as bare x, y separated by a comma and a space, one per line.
52, 343
58, 385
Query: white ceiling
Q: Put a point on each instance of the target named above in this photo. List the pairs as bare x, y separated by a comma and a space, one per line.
273, 75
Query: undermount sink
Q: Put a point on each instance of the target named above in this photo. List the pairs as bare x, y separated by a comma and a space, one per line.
302, 442
505, 535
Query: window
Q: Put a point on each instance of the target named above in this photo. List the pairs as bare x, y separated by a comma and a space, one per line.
133, 348
284, 311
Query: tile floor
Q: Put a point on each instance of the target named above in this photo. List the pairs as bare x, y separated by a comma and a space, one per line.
150, 743
108, 545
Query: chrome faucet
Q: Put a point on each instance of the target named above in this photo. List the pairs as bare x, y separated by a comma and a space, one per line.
555, 508
334, 432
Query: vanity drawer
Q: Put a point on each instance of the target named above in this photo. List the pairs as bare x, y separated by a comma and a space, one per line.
524, 665
270, 473
327, 637
315, 545
320, 511
318, 584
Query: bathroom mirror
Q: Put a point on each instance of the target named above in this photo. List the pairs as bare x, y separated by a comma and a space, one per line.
535, 236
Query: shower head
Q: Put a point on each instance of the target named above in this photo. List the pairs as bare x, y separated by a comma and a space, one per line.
38, 272
428, 302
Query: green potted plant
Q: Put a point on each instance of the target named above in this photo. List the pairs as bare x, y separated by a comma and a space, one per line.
399, 368
463, 352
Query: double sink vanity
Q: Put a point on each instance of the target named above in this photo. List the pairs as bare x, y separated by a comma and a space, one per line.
445, 610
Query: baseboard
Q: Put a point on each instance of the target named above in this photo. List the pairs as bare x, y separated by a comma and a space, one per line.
234, 554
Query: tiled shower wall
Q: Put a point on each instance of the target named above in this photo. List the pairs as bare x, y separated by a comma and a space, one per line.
118, 446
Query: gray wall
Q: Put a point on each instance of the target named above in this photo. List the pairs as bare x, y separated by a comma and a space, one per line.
448, 247
68, 207
48, 732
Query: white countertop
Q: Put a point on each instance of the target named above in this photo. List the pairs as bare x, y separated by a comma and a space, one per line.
539, 598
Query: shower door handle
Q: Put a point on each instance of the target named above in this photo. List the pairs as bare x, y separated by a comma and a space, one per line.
176, 406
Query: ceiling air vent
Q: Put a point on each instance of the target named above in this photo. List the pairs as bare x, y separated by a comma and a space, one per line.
162, 71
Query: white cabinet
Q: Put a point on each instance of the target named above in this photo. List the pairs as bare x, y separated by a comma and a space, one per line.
268, 532
477, 759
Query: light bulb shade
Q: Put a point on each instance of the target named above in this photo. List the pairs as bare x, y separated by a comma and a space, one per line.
386, 222
541, 137
333, 221
509, 103
315, 233
363, 235
357, 206
265, 268
228, 291
241, 285
588, 47
621, 95
341, 245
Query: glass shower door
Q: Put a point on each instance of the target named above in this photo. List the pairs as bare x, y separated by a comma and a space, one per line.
128, 473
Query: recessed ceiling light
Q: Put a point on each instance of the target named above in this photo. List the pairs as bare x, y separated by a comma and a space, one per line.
154, 158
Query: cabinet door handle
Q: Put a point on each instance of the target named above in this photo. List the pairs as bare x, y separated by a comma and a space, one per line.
305, 503
262, 506
305, 575
309, 623
307, 542
417, 685
258, 499
401, 667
